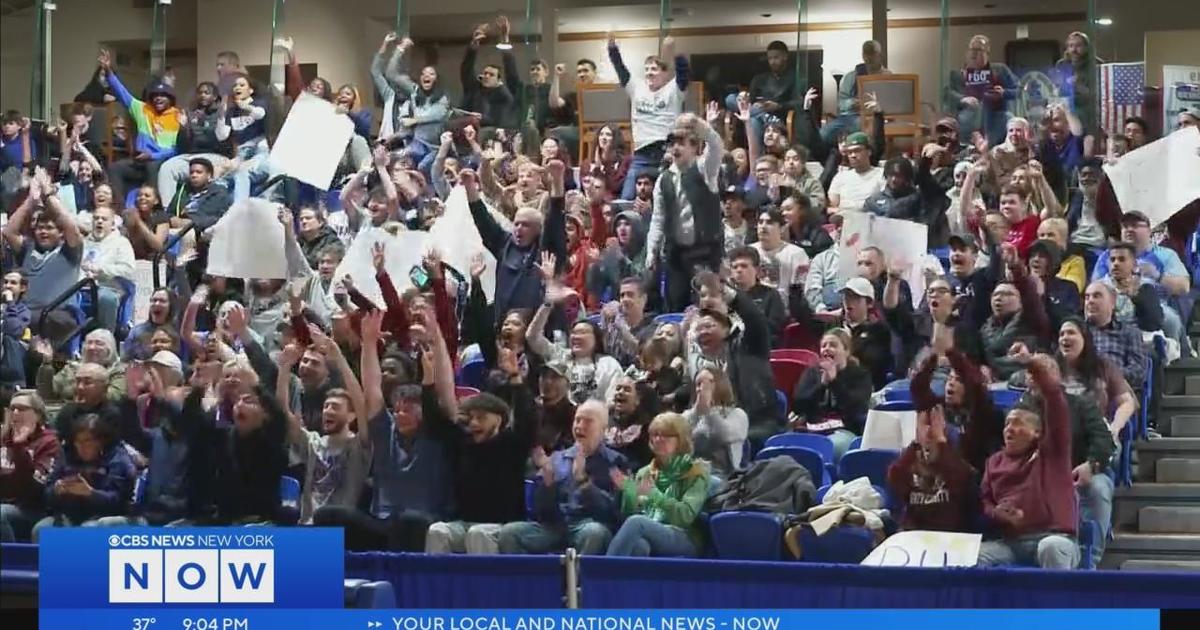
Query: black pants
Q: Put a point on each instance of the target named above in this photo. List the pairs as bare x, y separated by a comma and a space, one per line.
402, 532
127, 174
683, 264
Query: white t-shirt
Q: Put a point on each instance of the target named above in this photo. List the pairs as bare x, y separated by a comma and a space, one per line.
779, 267
653, 112
853, 187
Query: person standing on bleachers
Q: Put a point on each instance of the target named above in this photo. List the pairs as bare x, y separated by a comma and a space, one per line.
1018, 317
576, 503
686, 233
1028, 487
980, 92
656, 99
851, 187
745, 266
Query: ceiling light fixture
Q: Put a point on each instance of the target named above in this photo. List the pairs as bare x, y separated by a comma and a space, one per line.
1104, 21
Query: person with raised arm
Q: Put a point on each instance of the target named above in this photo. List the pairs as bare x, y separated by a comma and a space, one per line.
158, 123
656, 99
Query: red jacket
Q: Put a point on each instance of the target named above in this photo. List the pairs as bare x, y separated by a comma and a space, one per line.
1038, 483
1023, 234
24, 468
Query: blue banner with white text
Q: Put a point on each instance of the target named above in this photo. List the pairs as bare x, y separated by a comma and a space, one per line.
233, 619
210, 568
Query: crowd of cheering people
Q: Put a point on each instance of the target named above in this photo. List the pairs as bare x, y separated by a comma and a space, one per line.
625, 422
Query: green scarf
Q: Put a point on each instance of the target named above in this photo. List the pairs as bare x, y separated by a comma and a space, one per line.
669, 477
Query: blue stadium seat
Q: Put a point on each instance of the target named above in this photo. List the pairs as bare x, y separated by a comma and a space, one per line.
870, 463
815, 441
845, 544
896, 405
806, 457
19, 569
897, 391
1005, 399
530, 489
668, 318
125, 310
289, 492
472, 373
782, 400
747, 535
855, 444
359, 593
139, 489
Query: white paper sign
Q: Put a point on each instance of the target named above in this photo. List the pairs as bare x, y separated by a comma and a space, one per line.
312, 141
1160, 178
402, 252
143, 278
893, 430
920, 548
456, 238
902, 243
247, 242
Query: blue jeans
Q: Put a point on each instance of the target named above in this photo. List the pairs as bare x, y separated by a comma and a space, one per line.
423, 154
843, 125
992, 123
1095, 504
1048, 551
109, 307
641, 536
1172, 327
648, 159
16, 523
587, 536
255, 168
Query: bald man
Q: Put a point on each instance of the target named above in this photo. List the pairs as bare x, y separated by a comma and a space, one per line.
576, 504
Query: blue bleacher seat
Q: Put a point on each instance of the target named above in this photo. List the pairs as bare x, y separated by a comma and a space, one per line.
19, 568
897, 391
815, 441
870, 463
530, 488
1089, 537
360, 593
472, 373
668, 318
806, 457
289, 492
845, 544
747, 535
1005, 399
895, 405
139, 489
782, 400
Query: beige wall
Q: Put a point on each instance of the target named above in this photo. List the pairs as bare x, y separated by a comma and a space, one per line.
1170, 48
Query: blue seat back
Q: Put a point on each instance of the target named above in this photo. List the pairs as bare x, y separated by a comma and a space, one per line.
815, 441
668, 318
1005, 399
810, 459
530, 489
747, 535
139, 489
472, 373
289, 492
855, 444
781, 400
870, 463
896, 405
897, 391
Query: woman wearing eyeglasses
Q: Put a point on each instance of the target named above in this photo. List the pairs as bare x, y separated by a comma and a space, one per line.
662, 500
27, 451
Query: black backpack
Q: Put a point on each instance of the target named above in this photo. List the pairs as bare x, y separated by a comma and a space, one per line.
778, 485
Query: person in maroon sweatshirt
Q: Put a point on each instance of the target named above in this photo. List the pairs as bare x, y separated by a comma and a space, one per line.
1028, 489
932, 480
27, 451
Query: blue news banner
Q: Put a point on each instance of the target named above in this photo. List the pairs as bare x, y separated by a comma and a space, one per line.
290, 579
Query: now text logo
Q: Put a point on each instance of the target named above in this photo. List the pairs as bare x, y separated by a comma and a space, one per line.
191, 576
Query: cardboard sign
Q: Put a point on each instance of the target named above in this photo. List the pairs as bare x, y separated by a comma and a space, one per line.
902, 242
312, 141
456, 238
402, 252
143, 278
1160, 178
247, 242
920, 548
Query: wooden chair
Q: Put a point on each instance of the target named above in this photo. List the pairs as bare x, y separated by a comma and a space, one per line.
899, 96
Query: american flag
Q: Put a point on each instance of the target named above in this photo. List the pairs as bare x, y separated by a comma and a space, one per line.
1122, 88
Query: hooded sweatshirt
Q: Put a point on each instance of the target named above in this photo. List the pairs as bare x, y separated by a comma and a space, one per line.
25, 467
1039, 483
111, 477
157, 133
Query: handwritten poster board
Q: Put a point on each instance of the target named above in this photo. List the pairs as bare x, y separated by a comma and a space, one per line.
920, 548
1160, 178
312, 141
